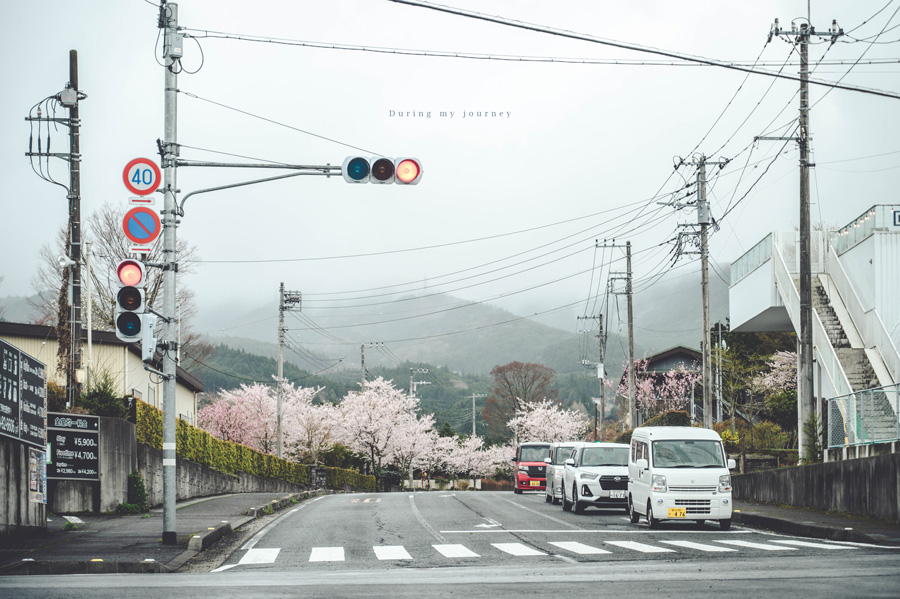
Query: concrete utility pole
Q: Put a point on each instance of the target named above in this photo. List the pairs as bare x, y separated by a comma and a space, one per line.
362, 361
286, 300
586, 363
806, 403
173, 52
630, 421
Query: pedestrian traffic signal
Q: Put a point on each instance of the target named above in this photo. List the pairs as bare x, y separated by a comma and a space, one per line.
382, 171
129, 300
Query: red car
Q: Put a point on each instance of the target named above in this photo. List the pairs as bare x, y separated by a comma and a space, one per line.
531, 469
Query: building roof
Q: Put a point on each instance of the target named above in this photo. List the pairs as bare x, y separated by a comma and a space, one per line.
36, 331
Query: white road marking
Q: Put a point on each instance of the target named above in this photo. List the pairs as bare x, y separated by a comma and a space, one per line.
259, 556
223, 568
580, 548
384, 552
517, 549
814, 545
327, 554
634, 546
762, 546
455, 551
698, 546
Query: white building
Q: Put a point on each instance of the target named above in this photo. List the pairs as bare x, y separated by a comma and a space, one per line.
109, 354
856, 321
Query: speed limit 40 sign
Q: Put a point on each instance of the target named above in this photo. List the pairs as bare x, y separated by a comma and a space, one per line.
141, 176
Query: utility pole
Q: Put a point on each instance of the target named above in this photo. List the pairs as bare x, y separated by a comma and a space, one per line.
588, 364
413, 385
806, 404
286, 300
168, 20
362, 361
90, 325
69, 318
630, 421
479, 396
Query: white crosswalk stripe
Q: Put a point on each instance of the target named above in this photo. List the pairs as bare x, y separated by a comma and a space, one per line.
455, 551
699, 546
813, 545
327, 554
635, 546
580, 548
259, 556
762, 546
517, 549
384, 552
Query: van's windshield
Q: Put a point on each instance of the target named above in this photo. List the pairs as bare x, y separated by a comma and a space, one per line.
688, 454
534, 453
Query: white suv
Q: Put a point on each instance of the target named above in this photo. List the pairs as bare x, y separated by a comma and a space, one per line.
559, 453
596, 475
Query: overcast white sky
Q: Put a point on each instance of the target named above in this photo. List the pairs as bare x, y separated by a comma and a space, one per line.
586, 143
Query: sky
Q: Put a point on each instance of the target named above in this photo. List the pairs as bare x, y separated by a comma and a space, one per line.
512, 205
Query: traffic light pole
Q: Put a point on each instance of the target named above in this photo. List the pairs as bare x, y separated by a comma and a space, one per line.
169, 20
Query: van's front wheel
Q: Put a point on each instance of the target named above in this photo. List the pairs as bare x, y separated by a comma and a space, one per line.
651, 521
725, 524
632, 515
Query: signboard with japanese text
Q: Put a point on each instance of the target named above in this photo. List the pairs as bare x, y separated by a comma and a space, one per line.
23, 396
74, 446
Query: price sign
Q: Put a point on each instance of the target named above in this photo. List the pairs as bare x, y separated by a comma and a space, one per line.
23, 396
74, 441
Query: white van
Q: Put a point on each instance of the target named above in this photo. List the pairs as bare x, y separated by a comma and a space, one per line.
678, 473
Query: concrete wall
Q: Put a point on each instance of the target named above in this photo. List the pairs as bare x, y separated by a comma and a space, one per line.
868, 487
17, 514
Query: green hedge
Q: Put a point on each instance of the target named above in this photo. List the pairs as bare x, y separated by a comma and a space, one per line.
198, 446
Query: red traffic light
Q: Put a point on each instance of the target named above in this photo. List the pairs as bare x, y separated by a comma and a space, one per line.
130, 272
408, 171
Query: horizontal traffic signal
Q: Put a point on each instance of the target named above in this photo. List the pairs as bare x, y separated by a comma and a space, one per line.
382, 171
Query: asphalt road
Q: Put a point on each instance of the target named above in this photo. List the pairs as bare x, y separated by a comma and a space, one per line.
498, 545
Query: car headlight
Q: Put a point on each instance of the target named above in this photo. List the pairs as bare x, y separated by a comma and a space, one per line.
725, 483
589, 475
523, 468
659, 483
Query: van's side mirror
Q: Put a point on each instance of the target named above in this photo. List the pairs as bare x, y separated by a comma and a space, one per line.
512, 459
570, 462
642, 464
547, 461
731, 464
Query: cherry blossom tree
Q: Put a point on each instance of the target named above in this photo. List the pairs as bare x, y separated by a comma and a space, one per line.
470, 459
546, 420
413, 439
657, 392
368, 420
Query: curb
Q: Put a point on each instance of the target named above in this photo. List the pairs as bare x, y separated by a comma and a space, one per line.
804, 529
41, 568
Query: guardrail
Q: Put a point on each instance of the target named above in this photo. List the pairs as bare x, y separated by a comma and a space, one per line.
865, 417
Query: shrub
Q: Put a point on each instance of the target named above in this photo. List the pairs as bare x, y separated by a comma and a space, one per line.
137, 492
768, 435
128, 508
100, 398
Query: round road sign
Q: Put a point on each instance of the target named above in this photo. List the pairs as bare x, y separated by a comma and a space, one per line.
141, 176
141, 225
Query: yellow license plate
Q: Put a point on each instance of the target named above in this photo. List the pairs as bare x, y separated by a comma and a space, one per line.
677, 512
534, 483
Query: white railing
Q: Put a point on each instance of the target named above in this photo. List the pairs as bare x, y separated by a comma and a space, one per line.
752, 259
826, 355
868, 323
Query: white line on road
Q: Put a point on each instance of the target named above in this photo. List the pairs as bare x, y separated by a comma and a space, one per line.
517, 549
699, 546
762, 546
814, 545
455, 551
259, 556
327, 554
384, 552
580, 548
640, 547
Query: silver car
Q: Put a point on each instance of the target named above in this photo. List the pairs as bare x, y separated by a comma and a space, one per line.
596, 475
559, 453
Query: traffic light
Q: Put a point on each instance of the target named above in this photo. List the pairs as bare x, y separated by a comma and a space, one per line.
382, 171
129, 300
